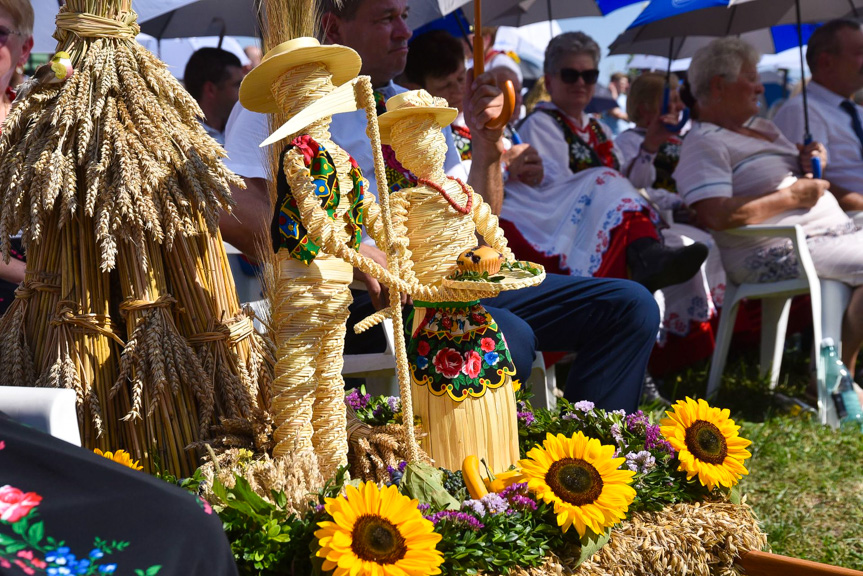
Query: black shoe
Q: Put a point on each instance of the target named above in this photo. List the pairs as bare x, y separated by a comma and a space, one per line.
650, 393
656, 266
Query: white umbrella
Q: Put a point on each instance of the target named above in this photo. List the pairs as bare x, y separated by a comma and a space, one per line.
46, 10
175, 52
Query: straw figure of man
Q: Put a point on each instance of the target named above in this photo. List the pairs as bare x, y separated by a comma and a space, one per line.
310, 297
460, 367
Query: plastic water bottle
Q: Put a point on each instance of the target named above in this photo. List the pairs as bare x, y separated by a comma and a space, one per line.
841, 386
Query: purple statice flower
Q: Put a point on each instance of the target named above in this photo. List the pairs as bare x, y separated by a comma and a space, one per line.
519, 488
396, 475
394, 403
654, 441
583, 405
570, 416
637, 422
402, 465
493, 503
378, 411
526, 418
456, 517
617, 434
474, 506
519, 502
319, 508
423, 507
640, 462
356, 400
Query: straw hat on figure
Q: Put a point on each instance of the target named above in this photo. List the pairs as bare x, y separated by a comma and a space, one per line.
460, 366
311, 295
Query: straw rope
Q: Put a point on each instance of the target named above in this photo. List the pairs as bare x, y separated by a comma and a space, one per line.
87, 25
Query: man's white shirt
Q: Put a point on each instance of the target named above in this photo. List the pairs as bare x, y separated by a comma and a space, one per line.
830, 125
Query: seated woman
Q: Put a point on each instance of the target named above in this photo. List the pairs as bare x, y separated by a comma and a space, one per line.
736, 169
651, 153
584, 217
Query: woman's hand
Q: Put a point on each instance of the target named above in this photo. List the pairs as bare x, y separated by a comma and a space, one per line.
524, 164
810, 151
657, 134
807, 191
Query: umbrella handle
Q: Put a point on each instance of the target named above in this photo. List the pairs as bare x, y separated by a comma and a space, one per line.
479, 67
816, 162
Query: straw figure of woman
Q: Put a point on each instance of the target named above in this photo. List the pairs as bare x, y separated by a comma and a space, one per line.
460, 367
127, 297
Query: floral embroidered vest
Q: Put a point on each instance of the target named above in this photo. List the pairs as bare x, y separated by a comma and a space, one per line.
287, 230
596, 151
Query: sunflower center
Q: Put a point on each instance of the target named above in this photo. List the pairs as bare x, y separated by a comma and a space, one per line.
574, 481
706, 442
376, 539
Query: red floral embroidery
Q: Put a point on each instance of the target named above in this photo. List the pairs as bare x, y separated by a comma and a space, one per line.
487, 344
423, 348
473, 364
448, 362
15, 504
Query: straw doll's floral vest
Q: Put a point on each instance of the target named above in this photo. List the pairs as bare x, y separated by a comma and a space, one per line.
287, 229
593, 150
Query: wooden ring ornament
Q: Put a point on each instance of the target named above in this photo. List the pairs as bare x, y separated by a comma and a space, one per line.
479, 67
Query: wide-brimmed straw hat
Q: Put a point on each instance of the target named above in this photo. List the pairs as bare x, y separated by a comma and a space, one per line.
256, 92
411, 103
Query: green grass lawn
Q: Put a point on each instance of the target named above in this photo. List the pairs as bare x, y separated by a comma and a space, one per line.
805, 481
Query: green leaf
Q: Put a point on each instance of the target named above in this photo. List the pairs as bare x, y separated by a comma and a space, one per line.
591, 543
153, 570
6, 540
425, 483
734, 494
16, 547
36, 533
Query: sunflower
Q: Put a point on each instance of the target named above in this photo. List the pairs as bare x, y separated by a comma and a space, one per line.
377, 532
707, 443
121, 457
580, 476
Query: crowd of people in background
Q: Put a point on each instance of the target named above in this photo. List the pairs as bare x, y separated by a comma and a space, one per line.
627, 211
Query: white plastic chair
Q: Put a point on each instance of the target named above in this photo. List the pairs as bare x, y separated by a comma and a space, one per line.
829, 300
51, 410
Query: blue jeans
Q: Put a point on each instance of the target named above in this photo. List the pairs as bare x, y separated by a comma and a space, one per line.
611, 324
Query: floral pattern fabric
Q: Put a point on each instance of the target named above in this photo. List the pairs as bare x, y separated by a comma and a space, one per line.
458, 351
462, 140
594, 152
288, 231
665, 162
66, 511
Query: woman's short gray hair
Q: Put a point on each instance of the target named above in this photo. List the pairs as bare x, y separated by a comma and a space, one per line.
566, 44
722, 57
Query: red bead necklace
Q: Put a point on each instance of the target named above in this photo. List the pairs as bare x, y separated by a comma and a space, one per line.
466, 209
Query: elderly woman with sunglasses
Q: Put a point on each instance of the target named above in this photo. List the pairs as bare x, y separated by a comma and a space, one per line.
737, 169
583, 217
16, 41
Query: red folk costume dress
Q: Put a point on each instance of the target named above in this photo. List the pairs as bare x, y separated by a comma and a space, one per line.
585, 213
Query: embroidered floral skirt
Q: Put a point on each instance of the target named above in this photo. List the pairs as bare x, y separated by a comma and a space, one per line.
461, 380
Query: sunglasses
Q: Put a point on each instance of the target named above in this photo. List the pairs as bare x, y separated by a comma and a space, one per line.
571, 76
5, 33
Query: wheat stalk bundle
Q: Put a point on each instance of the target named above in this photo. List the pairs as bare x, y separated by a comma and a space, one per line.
116, 190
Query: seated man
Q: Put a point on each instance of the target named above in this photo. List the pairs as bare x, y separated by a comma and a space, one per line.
610, 323
835, 57
213, 79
